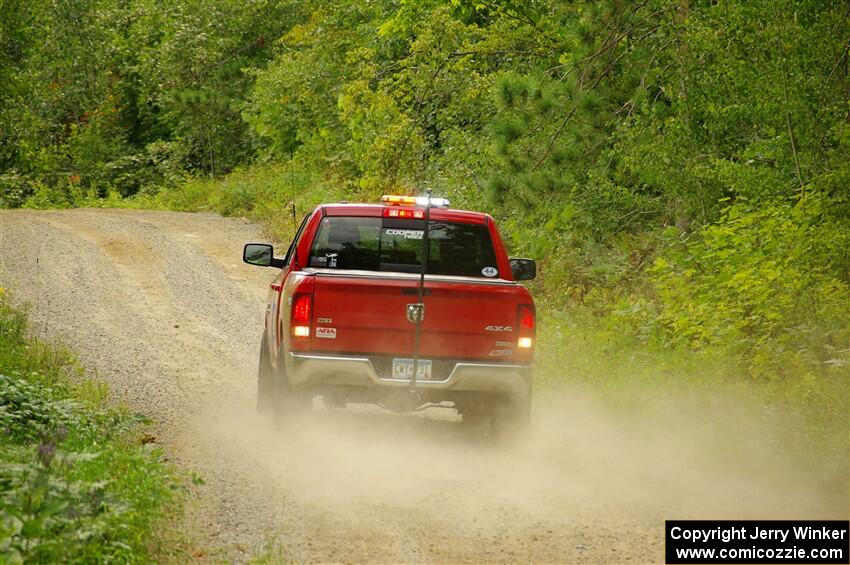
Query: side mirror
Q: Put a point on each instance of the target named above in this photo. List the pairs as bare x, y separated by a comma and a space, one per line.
523, 269
261, 255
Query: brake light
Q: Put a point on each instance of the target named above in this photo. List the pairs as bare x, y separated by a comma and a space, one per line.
403, 213
526, 323
302, 304
526, 319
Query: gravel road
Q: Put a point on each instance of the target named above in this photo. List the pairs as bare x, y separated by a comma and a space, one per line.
160, 306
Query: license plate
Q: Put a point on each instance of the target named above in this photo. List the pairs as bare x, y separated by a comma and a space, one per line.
403, 369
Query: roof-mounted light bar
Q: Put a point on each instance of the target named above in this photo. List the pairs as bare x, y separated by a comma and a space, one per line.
393, 200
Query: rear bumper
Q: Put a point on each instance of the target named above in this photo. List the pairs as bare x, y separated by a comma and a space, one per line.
309, 370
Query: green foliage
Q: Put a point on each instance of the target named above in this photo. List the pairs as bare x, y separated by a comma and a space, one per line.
678, 169
76, 484
126, 96
278, 195
765, 280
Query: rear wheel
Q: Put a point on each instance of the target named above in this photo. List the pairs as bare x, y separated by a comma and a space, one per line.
474, 409
510, 416
266, 380
474, 416
291, 401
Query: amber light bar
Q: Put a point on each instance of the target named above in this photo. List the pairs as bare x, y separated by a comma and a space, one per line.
394, 200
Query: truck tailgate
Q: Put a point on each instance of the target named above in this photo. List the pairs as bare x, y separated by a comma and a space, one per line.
367, 313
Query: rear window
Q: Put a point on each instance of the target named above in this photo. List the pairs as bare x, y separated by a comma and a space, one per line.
395, 245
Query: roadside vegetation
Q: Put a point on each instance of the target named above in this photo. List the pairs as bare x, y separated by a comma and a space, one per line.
680, 169
79, 479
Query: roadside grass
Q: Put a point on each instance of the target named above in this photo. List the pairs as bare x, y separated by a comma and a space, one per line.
79, 479
278, 195
270, 551
806, 417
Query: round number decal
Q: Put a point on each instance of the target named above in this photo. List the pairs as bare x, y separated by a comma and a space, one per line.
489, 271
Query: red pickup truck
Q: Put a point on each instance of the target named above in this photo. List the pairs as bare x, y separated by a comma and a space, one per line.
363, 311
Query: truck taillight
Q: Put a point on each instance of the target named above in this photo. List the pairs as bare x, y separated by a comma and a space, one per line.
302, 304
527, 326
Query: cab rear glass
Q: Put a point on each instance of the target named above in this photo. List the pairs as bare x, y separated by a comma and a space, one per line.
395, 245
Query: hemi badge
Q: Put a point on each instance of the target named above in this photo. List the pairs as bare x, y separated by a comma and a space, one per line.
324, 320
326, 333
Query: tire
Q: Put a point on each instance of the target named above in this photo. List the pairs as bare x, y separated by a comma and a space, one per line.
267, 393
510, 417
474, 410
475, 418
290, 402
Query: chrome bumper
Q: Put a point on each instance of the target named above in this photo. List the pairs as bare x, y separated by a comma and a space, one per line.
317, 370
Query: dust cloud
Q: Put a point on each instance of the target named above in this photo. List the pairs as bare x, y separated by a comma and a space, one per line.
589, 481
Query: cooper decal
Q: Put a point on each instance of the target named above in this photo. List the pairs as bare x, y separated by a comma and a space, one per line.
406, 234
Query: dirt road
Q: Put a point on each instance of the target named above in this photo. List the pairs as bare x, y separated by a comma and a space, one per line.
160, 306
